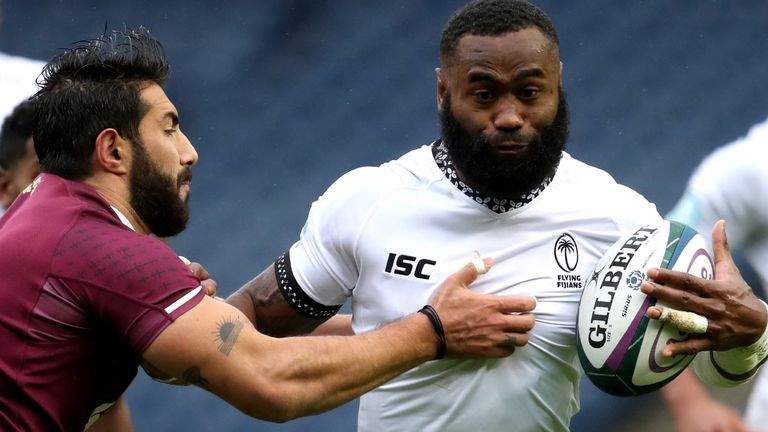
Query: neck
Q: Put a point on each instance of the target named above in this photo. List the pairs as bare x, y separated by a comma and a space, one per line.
119, 200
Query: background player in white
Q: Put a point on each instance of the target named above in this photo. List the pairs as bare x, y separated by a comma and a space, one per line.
732, 184
497, 182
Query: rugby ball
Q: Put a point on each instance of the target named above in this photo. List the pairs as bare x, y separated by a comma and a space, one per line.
618, 346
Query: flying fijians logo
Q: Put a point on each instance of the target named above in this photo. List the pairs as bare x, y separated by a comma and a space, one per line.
567, 258
566, 253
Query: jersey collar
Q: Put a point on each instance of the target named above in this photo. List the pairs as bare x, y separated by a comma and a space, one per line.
122, 218
496, 205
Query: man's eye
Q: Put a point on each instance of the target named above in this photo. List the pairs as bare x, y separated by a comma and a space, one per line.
483, 95
529, 93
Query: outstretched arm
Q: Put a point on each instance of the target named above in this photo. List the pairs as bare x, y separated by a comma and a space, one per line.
213, 346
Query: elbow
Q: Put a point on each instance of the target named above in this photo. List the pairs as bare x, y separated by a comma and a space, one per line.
276, 405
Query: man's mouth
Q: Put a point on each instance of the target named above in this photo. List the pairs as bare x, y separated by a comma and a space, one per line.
508, 147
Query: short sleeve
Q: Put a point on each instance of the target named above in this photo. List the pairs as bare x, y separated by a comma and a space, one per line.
323, 261
133, 283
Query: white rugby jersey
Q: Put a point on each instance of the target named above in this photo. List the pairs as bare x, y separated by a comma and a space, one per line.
388, 236
732, 184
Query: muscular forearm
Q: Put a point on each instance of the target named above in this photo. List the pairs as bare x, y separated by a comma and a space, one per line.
262, 302
281, 379
314, 376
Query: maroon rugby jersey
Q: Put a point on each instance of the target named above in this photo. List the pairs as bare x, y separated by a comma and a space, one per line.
82, 296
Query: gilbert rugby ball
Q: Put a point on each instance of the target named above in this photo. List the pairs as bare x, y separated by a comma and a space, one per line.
618, 346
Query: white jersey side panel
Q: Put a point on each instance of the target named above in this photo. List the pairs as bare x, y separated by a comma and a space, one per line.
388, 236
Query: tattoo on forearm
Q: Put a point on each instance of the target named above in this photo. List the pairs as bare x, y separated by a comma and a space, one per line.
194, 377
226, 334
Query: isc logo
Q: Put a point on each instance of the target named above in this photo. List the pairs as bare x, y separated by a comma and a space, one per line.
405, 265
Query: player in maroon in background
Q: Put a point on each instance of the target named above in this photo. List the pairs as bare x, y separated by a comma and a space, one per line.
89, 293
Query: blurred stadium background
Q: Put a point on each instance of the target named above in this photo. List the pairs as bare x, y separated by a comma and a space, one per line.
280, 97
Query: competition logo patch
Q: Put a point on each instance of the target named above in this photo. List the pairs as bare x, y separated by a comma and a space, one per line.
635, 278
567, 258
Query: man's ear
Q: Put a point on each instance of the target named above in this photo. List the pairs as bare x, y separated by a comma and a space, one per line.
442, 87
111, 152
6, 186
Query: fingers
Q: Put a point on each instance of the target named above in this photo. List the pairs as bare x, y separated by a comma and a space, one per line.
512, 341
478, 325
720, 247
515, 330
692, 345
518, 331
199, 271
481, 325
660, 279
517, 304
687, 322
210, 286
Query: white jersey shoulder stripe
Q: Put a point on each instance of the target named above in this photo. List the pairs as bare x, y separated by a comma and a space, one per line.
185, 298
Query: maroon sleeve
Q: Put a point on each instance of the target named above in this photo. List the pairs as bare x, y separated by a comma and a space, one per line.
134, 283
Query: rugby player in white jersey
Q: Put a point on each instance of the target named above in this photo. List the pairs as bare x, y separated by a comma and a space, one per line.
497, 183
731, 184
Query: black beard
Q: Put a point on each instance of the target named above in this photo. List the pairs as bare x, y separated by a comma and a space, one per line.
498, 176
155, 195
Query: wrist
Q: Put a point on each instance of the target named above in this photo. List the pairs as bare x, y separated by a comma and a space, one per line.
740, 364
437, 326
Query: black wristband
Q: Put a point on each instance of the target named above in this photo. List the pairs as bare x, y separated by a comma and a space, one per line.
431, 313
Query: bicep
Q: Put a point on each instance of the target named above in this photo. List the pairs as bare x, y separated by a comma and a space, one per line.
262, 301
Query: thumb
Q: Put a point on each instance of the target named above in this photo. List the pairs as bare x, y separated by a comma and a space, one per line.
721, 250
469, 272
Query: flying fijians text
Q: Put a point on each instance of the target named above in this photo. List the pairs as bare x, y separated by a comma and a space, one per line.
568, 281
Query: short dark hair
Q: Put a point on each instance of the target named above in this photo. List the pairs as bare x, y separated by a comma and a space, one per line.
16, 130
494, 18
92, 86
